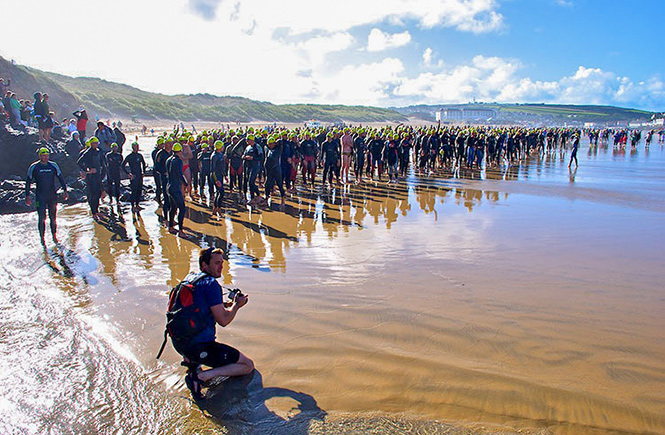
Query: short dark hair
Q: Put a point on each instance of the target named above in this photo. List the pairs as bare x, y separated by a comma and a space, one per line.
206, 254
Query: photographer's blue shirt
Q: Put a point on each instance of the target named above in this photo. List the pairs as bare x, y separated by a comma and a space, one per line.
207, 293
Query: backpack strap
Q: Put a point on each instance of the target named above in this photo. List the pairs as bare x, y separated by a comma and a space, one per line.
193, 282
161, 349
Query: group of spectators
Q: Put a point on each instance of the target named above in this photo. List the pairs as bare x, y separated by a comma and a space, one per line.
21, 113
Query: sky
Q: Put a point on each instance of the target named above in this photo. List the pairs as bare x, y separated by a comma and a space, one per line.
356, 52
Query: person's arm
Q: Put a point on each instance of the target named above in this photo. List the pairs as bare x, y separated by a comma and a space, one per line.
61, 179
28, 182
143, 166
81, 161
124, 164
225, 315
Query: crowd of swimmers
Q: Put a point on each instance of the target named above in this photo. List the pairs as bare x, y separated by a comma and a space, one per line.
252, 165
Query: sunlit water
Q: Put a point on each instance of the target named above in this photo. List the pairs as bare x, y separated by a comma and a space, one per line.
527, 298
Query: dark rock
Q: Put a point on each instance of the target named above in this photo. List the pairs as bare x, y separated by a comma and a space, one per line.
76, 196
13, 201
12, 185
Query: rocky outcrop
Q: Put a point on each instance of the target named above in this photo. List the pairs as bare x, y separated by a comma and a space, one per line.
18, 150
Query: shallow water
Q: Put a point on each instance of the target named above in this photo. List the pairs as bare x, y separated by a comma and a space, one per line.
521, 299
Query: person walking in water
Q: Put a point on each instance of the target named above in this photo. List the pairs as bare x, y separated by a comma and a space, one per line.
44, 173
136, 165
576, 145
93, 163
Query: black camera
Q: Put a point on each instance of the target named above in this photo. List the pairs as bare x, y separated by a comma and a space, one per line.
234, 294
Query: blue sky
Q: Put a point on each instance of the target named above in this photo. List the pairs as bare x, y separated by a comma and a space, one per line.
384, 53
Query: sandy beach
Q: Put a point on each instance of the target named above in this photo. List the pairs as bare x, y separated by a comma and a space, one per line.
523, 299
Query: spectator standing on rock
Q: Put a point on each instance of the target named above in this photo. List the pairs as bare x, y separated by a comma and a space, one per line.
120, 138
40, 114
44, 173
81, 121
48, 120
92, 162
74, 145
71, 127
106, 137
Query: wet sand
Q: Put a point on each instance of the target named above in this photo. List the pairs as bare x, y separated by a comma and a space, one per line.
524, 299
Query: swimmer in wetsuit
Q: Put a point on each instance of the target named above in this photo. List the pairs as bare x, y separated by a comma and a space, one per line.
44, 172
175, 184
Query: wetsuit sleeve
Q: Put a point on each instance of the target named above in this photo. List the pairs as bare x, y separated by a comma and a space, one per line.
124, 164
82, 161
58, 174
142, 160
28, 180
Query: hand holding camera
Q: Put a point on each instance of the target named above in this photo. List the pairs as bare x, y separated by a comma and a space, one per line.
236, 296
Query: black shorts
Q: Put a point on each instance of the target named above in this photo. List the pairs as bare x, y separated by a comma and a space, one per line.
212, 354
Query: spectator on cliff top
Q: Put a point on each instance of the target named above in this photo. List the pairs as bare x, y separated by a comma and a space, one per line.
106, 137
82, 121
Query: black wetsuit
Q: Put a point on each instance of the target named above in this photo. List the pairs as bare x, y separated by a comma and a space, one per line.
44, 175
331, 155
204, 159
93, 159
113, 163
136, 165
160, 166
156, 174
359, 149
218, 164
176, 179
252, 168
274, 170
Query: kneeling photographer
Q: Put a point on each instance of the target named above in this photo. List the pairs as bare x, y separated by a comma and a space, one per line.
196, 305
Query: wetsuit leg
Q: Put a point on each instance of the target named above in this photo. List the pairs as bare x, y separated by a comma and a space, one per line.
253, 188
158, 187
94, 185
166, 205
41, 217
219, 195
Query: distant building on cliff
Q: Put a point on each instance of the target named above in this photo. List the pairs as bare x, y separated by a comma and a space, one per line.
467, 113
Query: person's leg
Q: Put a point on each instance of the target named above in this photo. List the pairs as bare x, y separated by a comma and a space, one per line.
158, 188
51, 215
41, 218
243, 366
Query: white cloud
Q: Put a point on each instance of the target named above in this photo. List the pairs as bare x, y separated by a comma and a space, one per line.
302, 16
427, 56
297, 51
379, 41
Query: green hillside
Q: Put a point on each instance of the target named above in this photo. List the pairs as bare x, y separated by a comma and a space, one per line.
107, 99
114, 100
